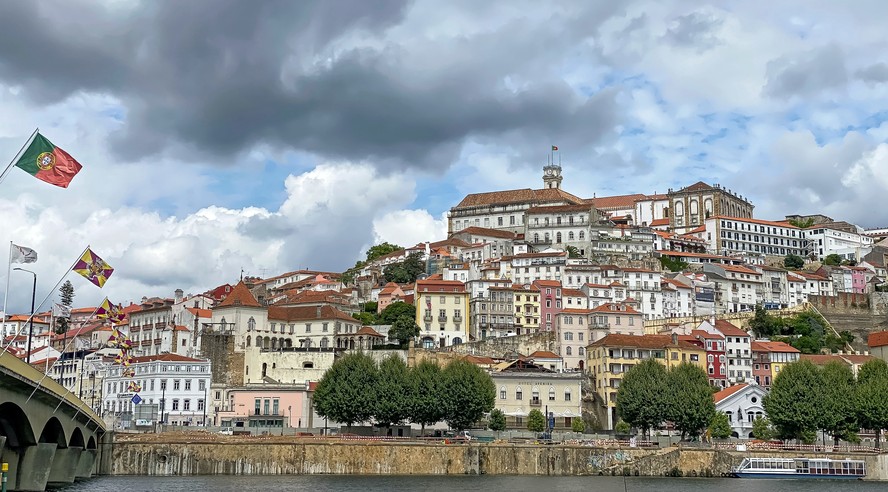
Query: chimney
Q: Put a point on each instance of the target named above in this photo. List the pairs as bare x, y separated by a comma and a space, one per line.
179, 295
319, 311
674, 338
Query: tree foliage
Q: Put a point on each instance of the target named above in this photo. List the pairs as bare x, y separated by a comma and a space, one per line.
392, 392
795, 404
832, 260
807, 331
802, 223
871, 396
673, 264
839, 417
497, 420
406, 271
536, 421
395, 310
373, 253
66, 293
426, 388
690, 403
762, 429
643, 398
365, 318
403, 329
622, 427
347, 391
793, 262
720, 426
468, 394
573, 252
578, 425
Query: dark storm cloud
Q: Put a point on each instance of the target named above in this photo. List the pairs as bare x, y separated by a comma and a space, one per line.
876, 73
218, 77
806, 74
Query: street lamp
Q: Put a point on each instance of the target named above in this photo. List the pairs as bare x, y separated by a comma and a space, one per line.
31, 328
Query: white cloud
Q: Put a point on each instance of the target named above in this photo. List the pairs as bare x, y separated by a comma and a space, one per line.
409, 227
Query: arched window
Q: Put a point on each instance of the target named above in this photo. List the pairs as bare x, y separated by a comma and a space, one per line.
274, 343
536, 237
679, 209
308, 365
456, 341
707, 207
582, 235
251, 324
325, 343
535, 394
248, 340
694, 209
519, 395
558, 237
546, 236
551, 394
569, 351
570, 236
581, 351
222, 323
264, 369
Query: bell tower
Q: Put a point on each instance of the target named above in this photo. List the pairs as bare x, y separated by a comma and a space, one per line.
552, 176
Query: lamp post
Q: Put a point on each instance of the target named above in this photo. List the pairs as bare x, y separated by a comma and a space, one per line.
31, 328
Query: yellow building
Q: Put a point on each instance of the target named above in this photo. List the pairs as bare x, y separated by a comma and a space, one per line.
612, 356
442, 312
526, 301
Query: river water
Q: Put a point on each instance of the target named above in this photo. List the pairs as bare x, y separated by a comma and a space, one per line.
324, 483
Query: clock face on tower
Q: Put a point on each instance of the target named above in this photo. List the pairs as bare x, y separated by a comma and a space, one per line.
549, 172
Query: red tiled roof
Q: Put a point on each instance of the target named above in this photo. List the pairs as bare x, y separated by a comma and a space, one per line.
729, 329
707, 335
772, 223
698, 186
307, 313
543, 354
240, 296
616, 202
526, 195
435, 284
552, 209
730, 390
610, 307
659, 222
483, 231
566, 292
692, 255
877, 339
642, 341
740, 269
773, 347
201, 313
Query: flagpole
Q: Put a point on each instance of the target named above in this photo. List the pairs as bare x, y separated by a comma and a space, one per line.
6, 292
47, 296
17, 154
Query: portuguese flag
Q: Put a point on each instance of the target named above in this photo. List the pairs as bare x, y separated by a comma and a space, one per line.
49, 163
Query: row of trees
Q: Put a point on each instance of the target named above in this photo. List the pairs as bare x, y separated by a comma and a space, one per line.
805, 398
356, 390
650, 395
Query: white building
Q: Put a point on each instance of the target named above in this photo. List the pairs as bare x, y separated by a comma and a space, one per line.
743, 404
643, 285
824, 241
527, 268
178, 385
737, 288
726, 235
738, 348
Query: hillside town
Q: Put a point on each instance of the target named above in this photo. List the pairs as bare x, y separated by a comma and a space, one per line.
555, 296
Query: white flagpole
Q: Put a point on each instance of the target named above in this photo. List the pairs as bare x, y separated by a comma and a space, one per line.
6, 292
17, 154
39, 306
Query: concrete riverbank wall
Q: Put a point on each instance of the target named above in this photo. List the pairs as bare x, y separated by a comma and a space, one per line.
386, 458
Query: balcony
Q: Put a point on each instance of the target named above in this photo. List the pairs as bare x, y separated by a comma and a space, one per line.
457, 318
427, 318
442, 319
535, 402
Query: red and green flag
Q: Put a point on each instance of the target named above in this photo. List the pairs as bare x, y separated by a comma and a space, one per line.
49, 163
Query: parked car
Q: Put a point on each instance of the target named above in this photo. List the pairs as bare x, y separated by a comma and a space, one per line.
227, 431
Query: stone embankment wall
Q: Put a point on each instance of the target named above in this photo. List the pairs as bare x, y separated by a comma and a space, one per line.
385, 458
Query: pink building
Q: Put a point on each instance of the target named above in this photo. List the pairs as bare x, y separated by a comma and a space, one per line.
392, 292
858, 279
266, 407
550, 302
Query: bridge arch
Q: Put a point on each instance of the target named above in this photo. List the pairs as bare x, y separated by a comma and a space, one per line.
91, 444
77, 439
15, 426
54, 433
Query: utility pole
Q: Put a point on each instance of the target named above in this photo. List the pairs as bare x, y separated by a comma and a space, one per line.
31, 327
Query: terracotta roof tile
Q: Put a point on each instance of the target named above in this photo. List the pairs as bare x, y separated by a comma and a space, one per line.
659, 222
240, 296
773, 347
610, 307
877, 339
553, 209
616, 202
483, 231
642, 341
307, 313
729, 329
730, 390
544, 354
525, 195
772, 223
698, 186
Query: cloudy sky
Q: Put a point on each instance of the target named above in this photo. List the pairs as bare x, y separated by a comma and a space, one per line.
276, 135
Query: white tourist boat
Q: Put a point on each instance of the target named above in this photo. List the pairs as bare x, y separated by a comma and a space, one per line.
800, 468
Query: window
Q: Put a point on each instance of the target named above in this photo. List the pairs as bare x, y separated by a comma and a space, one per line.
503, 393
200, 405
201, 385
186, 404
257, 406
163, 384
175, 385
569, 351
251, 324
518, 394
187, 385
567, 395
307, 327
176, 404
551, 394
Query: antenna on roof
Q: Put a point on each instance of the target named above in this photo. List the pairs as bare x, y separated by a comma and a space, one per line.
242, 274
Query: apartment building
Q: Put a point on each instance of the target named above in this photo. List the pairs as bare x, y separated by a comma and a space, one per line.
442, 312
731, 235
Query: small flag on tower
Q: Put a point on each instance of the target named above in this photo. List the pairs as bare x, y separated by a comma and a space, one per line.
21, 254
554, 148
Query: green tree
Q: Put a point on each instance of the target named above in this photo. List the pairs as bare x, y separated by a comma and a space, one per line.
468, 393
426, 399
795, 403
690, 406
536, 421
720, 426
497, 420
346, 393
622, 428
673, 264
392, 392
793, 262
762, 429
832, 260
403, 330
381, 250
370, 307
577, 425
394, 311
839, 416
406, 271
573, 252
365, 318
66, 292
802, 223
643, 399
871, 404
764, 325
